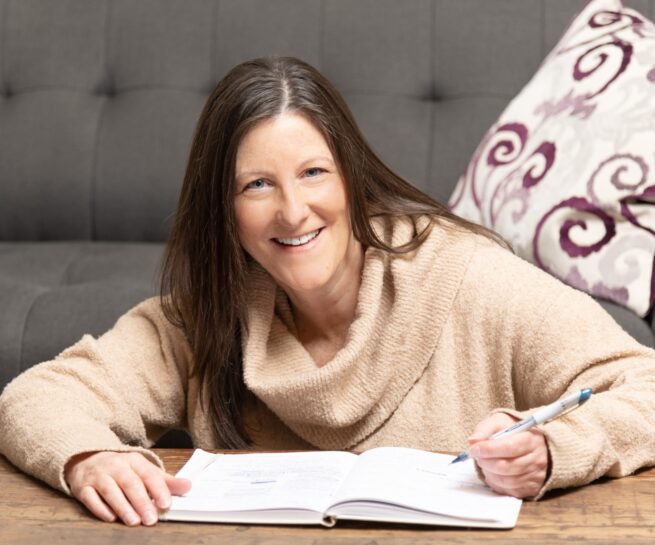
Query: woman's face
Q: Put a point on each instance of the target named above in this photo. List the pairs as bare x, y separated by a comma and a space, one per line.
290, 204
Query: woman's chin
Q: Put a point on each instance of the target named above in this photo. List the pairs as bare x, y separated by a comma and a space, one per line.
302, 285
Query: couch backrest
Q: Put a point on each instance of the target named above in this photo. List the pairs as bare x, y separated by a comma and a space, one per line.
99, 98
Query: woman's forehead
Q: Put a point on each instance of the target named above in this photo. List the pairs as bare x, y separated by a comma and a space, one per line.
283, 137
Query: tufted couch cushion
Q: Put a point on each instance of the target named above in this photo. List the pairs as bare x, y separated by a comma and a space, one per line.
99, 98
51, 291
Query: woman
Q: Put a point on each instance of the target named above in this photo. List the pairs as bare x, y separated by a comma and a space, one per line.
311, 298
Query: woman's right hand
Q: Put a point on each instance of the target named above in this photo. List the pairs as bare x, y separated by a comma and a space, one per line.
121, 484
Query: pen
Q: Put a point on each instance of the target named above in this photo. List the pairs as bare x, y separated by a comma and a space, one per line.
547, 413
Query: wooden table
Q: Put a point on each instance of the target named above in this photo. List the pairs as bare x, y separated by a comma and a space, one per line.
609, 511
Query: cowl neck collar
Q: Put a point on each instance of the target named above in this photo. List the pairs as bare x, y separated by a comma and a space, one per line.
398, 320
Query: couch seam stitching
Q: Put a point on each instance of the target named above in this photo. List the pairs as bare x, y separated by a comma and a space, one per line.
417, 97
321, 33
433, 92
543, 30
96, 138
63, 281
22, 334
214, 45
116, 91
3, 49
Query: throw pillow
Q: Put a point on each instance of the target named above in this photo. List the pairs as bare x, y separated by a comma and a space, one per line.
567, 173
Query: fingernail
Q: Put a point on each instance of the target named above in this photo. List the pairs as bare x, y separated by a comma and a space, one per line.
149, 518
474, 451
133, 519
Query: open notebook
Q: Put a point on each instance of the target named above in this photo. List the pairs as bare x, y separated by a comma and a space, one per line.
387, 484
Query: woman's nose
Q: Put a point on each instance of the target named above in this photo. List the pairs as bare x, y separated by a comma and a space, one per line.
293, 208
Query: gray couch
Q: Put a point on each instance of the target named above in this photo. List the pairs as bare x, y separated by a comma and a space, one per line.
98, 100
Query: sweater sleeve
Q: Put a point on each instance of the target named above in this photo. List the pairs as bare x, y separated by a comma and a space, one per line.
573, 343
119, 392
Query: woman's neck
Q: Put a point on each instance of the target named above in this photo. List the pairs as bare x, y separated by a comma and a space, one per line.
324, 316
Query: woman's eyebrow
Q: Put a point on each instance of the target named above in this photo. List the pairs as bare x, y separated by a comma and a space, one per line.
303, 163
318, 158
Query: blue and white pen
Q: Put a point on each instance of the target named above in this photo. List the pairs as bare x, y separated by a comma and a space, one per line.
543, 415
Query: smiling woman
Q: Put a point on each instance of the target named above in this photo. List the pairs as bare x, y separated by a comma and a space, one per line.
277, 156
296, 225
311, 298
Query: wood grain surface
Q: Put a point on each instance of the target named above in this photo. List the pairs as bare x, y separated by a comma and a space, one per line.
617, 511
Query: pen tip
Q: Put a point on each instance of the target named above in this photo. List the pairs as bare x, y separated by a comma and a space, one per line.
584, 395
460, 458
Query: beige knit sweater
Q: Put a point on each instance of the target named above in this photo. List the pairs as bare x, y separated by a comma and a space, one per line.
440, 338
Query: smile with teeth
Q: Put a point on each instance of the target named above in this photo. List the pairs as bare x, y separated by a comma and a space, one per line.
298, 241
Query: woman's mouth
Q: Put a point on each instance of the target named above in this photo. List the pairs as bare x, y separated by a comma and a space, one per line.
301, 241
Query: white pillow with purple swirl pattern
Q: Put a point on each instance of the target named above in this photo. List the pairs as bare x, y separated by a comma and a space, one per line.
567, 174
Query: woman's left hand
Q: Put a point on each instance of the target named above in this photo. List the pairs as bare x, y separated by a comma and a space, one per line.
516, 465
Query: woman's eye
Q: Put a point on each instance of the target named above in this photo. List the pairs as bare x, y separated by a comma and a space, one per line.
256, 184
315, 170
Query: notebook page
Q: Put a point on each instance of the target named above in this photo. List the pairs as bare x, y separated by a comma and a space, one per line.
424, 481
260, 481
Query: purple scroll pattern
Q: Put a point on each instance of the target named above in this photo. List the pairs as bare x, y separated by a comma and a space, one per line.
567, 174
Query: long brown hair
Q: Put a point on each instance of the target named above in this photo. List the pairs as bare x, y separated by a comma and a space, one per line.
203, 270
